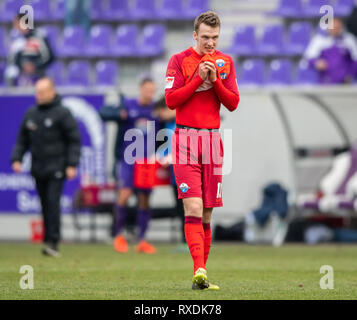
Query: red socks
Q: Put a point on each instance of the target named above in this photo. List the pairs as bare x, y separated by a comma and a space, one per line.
207, 241
198, 237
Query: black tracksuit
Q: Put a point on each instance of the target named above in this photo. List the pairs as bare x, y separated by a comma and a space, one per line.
51, 134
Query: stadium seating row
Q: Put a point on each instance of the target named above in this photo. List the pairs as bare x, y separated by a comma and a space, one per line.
127, 41
255, 72
277, 72
111, 10
80, 73
311, 9
274, 41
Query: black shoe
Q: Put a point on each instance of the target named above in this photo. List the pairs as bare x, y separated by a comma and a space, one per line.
51, 250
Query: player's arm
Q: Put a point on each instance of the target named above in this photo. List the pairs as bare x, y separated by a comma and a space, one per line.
227, 92
22, 142
176, 91
114, 113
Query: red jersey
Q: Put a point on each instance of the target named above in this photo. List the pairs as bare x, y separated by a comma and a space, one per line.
198, 102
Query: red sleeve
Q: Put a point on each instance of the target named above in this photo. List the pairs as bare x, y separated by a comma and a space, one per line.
176, 92
227, 90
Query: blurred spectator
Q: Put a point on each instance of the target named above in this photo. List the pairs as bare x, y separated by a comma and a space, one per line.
30, 55
333, 55
51, 134
78, 13
352, 21
132, 114
167, 118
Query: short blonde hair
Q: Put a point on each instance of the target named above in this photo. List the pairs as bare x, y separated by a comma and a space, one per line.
209, 18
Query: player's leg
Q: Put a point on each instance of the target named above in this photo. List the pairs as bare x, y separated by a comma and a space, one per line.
120, 243
206, 222
125, 190
143, 220
195, 237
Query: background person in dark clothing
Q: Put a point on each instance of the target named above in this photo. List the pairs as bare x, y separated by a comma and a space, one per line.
51, 134
29, 57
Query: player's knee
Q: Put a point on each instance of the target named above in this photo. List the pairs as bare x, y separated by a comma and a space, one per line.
193, 209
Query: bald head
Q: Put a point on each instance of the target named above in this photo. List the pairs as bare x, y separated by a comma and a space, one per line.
45, 91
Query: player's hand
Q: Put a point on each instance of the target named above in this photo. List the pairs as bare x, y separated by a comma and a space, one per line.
321, 65
203, 71
212, 71
71, 173
16, 166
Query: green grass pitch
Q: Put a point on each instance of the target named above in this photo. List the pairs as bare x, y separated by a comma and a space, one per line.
95, 271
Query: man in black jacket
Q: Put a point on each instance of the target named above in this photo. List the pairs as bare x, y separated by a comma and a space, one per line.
51, 134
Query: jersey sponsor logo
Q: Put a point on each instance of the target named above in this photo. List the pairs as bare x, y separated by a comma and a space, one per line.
31, 125
220, 63
169, 82
223, 75
184, 187
48, 122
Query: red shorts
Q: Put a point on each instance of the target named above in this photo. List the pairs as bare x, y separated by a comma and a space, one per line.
197, 159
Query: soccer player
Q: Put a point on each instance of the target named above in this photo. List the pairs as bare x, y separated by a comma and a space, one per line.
132, 114
198, 81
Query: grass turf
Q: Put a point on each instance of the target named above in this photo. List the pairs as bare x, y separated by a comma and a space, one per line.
95, 271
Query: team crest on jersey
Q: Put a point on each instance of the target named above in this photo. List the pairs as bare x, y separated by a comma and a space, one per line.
220, 63
169, 82
48, 122
184, 187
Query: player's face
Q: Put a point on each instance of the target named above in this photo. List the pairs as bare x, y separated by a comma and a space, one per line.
206, 39
147, 92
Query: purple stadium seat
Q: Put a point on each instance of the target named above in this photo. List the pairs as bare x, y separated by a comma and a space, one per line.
10, 9
252, 72
244, 42
57, 72
3, 46
42, 9
289, 8
58, 10
78, 73
298, 38
52, 32
272, 41
100, 40
73, 42
306, 75
117, 9
144, 10
106, 73
195, 8
126, 41
312, 8
343, 8
280, 72
152, 43
96, 10
171, 9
